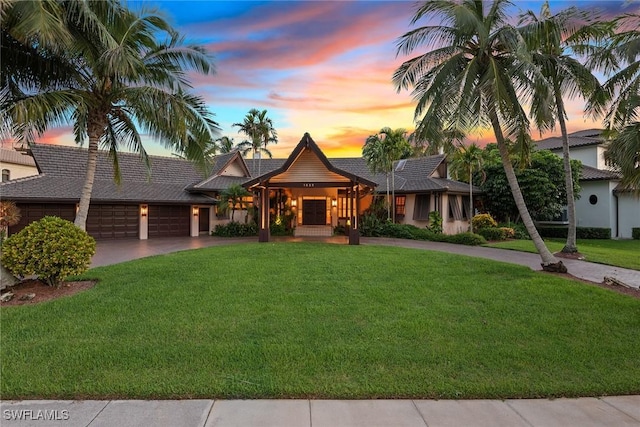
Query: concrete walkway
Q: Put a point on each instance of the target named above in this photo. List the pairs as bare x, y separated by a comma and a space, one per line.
616, 411
116, 251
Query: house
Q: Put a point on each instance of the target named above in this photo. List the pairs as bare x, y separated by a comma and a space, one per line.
16, 164
175, 199
603, 201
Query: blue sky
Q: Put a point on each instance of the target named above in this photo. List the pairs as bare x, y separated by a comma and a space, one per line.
322, 67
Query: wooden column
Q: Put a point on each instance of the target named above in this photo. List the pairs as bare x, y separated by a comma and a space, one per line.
354, 233
263, 234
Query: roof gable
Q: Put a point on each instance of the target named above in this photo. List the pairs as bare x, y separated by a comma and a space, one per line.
308, 152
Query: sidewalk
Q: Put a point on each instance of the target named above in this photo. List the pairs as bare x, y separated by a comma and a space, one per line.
584, 412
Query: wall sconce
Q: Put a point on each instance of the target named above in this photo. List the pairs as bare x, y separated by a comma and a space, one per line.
348, 223
195, 211
294, 203
334, 203
143, 210
77, 207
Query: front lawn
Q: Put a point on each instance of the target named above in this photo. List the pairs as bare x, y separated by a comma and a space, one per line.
621, 253
310, 320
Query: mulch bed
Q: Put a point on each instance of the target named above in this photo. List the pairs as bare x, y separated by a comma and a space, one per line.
43, 291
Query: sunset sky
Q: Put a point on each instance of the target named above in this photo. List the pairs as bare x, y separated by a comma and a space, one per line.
322, 67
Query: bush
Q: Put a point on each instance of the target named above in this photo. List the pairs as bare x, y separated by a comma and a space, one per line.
235, 229
635, 233
483, 221
500, 233
51, 248
340, 230
469, 239
581, 232
435, 222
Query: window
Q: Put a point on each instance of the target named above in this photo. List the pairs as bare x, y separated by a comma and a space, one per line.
400, 205
455, 213
6, 175
593, 199
467, 213
421, 208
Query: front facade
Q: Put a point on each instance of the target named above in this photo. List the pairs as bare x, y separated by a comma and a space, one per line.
16, 164
603, 201
175, 199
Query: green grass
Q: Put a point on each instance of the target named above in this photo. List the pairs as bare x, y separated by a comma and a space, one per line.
620, 253
305, 320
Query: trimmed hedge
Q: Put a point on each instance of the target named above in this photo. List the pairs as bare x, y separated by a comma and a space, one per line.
235, 229
501, 233
635, 233
581, 232
411, 232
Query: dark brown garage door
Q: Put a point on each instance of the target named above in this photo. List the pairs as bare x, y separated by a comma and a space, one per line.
34, 211
169, 221
113, 221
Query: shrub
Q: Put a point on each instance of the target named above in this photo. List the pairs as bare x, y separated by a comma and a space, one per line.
635, 233
483, 221
235, 229
370, 225
469, 239
581, 232
51, 248
500, 233
435, 222
340, 230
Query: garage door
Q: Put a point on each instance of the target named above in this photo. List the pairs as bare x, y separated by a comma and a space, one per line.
30, 212
113, 221
169, 221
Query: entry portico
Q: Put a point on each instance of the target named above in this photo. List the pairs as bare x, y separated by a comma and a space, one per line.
316, 191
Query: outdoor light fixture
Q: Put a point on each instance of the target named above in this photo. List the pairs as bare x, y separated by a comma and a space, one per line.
334, 202
77, 207
195, 211
143, 210
294, 203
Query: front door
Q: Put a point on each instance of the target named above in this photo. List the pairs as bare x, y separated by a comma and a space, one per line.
314, 212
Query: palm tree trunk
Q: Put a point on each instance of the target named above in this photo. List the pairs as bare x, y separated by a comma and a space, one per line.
388, 202
571, 245
92, 160
470, 198
549, 262
393, 193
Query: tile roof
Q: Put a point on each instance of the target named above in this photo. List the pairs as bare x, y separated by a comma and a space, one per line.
580, 138
173, 180
63, 173
592, 174
16, 157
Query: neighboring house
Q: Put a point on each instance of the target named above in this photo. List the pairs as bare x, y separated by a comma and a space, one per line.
16, 164
175, 199
603, 201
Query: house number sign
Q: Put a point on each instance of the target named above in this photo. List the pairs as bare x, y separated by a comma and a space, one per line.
308, 184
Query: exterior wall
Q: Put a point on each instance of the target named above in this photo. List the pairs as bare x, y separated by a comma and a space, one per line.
233, 169
628, 214
409, 207
308, 168
449, 225
588, 155
19, 171
601, 214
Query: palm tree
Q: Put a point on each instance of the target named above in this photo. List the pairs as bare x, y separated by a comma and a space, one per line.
427, 142
464, 161
232, 198
259, 128
225, 144
120, 81
550, 39
621, 61
475, 73
381, 151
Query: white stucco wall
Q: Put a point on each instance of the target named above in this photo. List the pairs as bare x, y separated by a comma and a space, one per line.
628, 214
603, 213
449, 226
19, 171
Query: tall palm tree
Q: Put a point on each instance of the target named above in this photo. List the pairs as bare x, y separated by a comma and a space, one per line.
465, 160
225, 144
381, 151
550, 39
475, 73
259, 128
620, 60
121, 78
